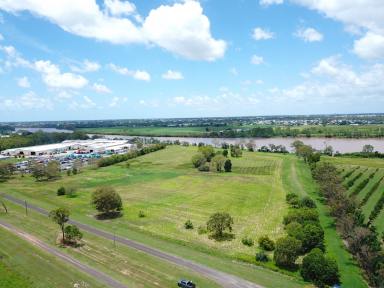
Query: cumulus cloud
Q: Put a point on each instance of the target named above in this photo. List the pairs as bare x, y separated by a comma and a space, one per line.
309, 34
181, 28
257, 60
28, 101
136, 74
370, 46
23, 82
173, 75
54, 78
270, 2
100, 88
262, 34
86, 66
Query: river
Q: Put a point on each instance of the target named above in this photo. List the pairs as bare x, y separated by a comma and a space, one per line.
342, 145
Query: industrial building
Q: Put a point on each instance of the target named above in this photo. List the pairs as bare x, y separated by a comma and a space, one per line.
100, 146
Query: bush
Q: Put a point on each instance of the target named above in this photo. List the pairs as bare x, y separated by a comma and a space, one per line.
198, 160
247, 241
61, 191
72, 233
307, 202
293, 229
141, 214
106, 200
70, 192
311, 236
301, 216
262, 257
203, 168
286, 252
202, 230
228, 166
293, 200
266, 243
188, 224
320, 270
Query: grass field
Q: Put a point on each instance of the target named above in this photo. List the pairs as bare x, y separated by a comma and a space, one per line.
359, 171
23, 265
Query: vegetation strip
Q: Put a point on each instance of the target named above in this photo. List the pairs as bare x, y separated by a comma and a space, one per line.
371, 191
224, 279
86, 269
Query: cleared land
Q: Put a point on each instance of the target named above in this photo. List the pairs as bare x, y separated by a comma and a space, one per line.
170, 191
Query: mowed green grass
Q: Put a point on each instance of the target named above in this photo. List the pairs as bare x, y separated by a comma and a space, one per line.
169, 191
23, 265
166, 187
129, 266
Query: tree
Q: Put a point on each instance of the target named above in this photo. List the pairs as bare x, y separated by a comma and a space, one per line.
320, 270
218, 223
368, 149
198, 160
251, 145
61, 191
311, 236
60, 216
207, 151
106, 200
328, 150
266, 243
37, 170
218, 161
296, 145
52, 170
227, 165
72, 233
286, 252
225, 153
236, 151
6, 171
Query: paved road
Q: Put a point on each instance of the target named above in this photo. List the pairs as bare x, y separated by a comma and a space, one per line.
223, 279
101, 277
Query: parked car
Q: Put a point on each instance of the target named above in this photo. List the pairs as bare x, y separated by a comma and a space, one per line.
186, 284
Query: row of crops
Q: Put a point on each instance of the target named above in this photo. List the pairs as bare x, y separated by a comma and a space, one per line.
366, 184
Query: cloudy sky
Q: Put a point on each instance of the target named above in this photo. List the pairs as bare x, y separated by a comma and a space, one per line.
103, 59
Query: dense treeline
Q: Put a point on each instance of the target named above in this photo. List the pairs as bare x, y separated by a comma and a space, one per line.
38, 138
103, 162
362, 239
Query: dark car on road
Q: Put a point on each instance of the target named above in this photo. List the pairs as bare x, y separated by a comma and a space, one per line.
186, 284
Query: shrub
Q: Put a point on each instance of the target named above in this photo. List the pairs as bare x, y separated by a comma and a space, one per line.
228, 166
198, 160
292, 199
70, 192
301, 216
262, 257
202, 230
286, 252
203, 168
307, 202
266, 243
72, 233
247, 241
311, 236
188, 224
320, 270
61, 191
218, 223
106, 200
141, 214
293, 229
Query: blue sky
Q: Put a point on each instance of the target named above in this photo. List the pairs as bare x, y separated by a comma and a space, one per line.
105, 59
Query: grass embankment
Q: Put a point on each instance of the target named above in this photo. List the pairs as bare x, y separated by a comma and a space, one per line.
303, 184
24, 265
169, 191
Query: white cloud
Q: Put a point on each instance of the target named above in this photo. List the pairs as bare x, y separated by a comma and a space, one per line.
118, 8
53, 77
181, 28
86, 66
23, 82
114, 102
136, 74
28, 101
257, 60
270, 2
309, 34
370, 46
1, 37
173, 75
261, 34
234, 71
100, 88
